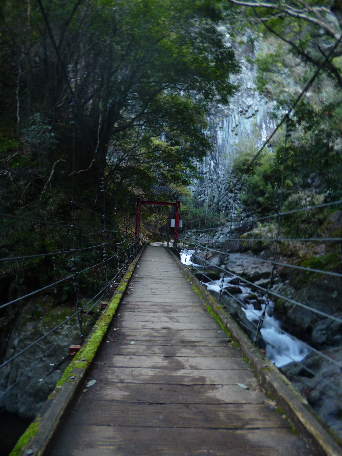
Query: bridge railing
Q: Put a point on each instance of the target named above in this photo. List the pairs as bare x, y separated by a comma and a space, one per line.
313, 325
58, 268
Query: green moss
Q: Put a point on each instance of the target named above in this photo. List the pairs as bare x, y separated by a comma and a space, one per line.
252, 296
279, 304
213, 314
330, 262
196, 290
30, 432
99, 331
89, 350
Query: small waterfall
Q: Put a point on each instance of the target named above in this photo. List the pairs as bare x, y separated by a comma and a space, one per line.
281, 348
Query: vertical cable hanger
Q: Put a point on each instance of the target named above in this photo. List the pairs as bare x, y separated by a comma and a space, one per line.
117, 237
74, 268
104, 255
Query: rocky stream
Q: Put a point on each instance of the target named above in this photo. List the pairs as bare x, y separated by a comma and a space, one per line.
305, 347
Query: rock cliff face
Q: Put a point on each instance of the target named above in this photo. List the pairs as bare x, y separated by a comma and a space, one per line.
246, 122
247, 118
34, 373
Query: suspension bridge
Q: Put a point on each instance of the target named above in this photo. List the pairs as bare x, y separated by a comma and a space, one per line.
157, 374
168, 379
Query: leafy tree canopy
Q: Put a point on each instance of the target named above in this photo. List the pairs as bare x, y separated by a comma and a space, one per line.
118, 74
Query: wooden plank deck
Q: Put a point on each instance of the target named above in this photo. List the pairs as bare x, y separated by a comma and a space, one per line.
166, 382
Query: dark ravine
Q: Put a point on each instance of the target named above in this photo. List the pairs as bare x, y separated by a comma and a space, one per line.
22, 403
38, 435
11, 428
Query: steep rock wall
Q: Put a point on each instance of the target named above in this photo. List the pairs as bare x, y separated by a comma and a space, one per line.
245, 122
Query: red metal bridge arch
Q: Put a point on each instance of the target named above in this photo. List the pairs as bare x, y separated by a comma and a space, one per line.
176, 205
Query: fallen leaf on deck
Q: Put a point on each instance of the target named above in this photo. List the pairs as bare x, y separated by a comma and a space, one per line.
241, 385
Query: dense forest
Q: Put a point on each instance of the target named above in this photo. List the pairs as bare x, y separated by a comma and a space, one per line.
106, 100
122, 91
99, 96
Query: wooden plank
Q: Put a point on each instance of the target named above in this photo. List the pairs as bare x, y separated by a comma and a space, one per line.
167, 382
170, 362
208, 416
158, 325
174, 376
152, 349
139, 317
115, 440
142, 339
183, 335
177, 394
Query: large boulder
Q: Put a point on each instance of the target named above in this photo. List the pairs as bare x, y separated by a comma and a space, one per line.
320, 380
248, 267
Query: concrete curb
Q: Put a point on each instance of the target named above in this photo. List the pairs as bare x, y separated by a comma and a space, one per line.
35, 441
294, 405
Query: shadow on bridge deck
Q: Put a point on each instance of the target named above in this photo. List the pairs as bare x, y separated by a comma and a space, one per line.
170, 382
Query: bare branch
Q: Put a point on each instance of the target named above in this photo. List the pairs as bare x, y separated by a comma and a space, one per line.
51, 174
304, 13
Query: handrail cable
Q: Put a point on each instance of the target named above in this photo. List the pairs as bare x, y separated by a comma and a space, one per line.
266, 217
63, 252
187, 234
17, 217
39, 359
293, 337
304, 306
283, 332
285, 239
61, 324
318, 271
55, 283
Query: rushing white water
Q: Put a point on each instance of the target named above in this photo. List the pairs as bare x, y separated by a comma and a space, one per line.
186, 256
281, 348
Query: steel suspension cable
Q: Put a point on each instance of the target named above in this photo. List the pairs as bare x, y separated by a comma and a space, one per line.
79, 310
280, 329
304, 306
292, 266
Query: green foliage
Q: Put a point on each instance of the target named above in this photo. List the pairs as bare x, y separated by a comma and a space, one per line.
193, 209
304, 223
312, 164
289, 54
40, 138
304, 30
261, 181
120, 88
111, 77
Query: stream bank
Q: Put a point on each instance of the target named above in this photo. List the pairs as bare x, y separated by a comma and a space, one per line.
314, 376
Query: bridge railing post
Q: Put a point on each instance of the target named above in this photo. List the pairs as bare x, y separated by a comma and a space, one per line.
177, 213
137, 219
